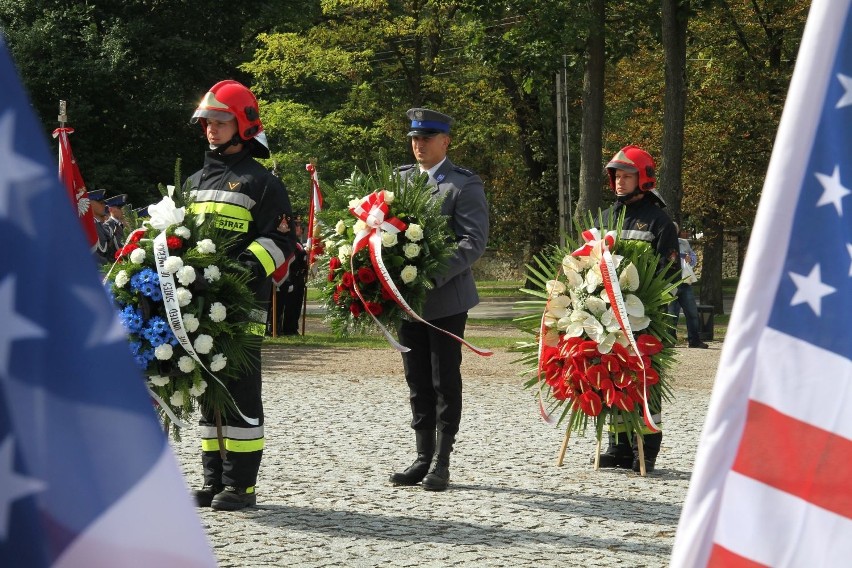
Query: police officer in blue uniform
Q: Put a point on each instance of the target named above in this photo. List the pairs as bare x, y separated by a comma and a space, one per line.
433, 366
107, 245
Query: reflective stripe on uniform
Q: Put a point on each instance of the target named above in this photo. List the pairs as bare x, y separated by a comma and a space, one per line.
620, 427
236, 439
268, 253
634, 235
219, 196
230, 217
239, 446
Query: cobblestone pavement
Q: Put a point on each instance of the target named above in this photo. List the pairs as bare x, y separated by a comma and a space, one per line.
337, 426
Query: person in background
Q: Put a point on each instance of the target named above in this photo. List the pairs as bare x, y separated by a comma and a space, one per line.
685, 296
633, 179
253, 206
433, 366
116, 220
107, 245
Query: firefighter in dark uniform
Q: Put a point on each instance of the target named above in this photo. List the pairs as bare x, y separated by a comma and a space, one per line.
433, 366
254, 206
632, 177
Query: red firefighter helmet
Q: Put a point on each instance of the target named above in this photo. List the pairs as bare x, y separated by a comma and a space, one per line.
635, 160
230, 99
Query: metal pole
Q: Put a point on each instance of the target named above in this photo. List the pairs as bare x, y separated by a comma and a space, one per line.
567, 148
560, 167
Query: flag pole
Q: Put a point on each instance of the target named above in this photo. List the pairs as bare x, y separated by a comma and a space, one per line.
63, 113
313, 231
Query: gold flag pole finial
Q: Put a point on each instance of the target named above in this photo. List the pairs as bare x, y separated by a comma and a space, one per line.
63, 114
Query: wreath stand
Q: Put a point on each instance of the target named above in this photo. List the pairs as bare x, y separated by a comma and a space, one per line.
640, 443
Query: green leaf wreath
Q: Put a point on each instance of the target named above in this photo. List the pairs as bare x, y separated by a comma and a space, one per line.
413, 256
214, 305
581, 363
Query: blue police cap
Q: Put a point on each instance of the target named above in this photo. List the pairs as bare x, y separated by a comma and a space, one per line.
116, 200
142, 212
427, 122
96, 194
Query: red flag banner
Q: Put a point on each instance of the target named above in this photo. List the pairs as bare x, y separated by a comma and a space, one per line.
314, 245
772, 471
69, 173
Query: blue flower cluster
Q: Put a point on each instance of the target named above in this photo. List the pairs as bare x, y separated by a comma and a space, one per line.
140, 355
157, 332
131, 318
147, 283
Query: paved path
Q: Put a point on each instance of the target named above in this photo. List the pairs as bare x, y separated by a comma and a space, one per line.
334, 436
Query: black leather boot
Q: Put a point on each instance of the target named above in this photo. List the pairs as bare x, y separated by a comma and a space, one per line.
204, 496
415, 473
618, 453
438, 477
651, 450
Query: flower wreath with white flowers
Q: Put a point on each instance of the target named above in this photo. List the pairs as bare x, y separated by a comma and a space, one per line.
584, 365
185, 305
380, 214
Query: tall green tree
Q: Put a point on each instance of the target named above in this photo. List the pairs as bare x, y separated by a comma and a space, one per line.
131, 73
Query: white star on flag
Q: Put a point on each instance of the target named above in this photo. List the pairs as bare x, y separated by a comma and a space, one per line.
14, 327
834, 190
13, 167
14, 486
810, 289
846, 99
849, 250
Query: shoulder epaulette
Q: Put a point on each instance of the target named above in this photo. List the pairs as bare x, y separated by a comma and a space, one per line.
463, 171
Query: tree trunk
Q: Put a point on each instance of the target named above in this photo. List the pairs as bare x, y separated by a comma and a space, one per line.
675, 19
711, 264
591, 137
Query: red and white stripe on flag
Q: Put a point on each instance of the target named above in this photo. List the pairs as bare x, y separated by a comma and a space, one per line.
774, 462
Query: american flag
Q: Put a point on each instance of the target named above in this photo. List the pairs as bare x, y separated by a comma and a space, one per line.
772, 476
87, 477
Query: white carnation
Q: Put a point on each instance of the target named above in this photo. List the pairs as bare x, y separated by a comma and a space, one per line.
389, 196
183, 232
340, 228
177, 398
121, 279
218, 312
164, 352
203, 344
184, 297
198, 389
218, 362
159, 380
190, 322
408, 274
212, 273
389, 239
414, 232
186, 364
137, 256
186, 275
205, 246
172, 264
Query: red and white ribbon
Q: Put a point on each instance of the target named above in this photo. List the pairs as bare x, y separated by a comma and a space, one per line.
616, 300
373, 210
